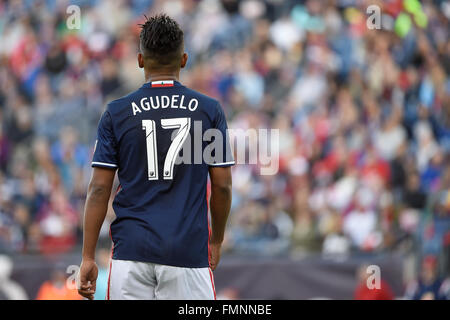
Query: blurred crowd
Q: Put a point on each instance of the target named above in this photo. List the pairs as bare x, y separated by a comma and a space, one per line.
363, 117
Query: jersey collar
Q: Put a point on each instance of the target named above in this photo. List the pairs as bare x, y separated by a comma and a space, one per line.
161, 84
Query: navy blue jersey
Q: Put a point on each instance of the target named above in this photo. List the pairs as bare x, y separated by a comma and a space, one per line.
159, 139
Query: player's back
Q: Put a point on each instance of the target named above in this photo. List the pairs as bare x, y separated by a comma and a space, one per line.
154, 136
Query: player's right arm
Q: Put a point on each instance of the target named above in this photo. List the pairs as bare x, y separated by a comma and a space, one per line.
105, 164
220, 204
97, 199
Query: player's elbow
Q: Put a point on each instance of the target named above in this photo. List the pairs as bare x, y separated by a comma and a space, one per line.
98, 190
222, 187
220, 180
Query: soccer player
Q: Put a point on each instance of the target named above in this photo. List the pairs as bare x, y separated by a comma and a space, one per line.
163, 247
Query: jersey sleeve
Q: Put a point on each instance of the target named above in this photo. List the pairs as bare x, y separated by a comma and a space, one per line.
220, 123
105, 151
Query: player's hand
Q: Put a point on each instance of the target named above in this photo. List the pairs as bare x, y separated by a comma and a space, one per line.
87, 278
214, 254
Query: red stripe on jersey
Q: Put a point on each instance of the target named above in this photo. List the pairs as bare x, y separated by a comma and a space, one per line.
212, 283
119, 187
110, 263
109, 279
161, 85
208, 188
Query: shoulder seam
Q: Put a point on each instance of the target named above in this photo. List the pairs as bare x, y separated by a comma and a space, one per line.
111, 119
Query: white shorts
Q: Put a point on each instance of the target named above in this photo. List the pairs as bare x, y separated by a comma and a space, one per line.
133, 280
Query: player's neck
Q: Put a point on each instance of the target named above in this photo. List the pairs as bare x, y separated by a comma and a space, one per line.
153, 75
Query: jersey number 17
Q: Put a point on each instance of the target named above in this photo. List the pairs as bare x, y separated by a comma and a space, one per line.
182, 125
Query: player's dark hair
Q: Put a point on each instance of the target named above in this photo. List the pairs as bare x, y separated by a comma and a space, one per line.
161, 39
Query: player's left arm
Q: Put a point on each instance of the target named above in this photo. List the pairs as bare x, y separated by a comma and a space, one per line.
96, 206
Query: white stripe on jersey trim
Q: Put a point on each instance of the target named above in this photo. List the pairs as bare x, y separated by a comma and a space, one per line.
105, 164
222, 164
163, 82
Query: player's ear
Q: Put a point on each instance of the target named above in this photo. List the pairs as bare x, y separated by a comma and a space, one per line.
184, 59
140, 60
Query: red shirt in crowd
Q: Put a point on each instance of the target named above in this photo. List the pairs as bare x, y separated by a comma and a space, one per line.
362, 292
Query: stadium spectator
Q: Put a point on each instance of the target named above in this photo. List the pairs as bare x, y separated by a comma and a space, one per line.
9, 289
56, 288
103, 270
429, 286
364, 292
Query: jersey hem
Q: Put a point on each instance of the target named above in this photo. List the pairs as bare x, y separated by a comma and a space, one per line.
161, 262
